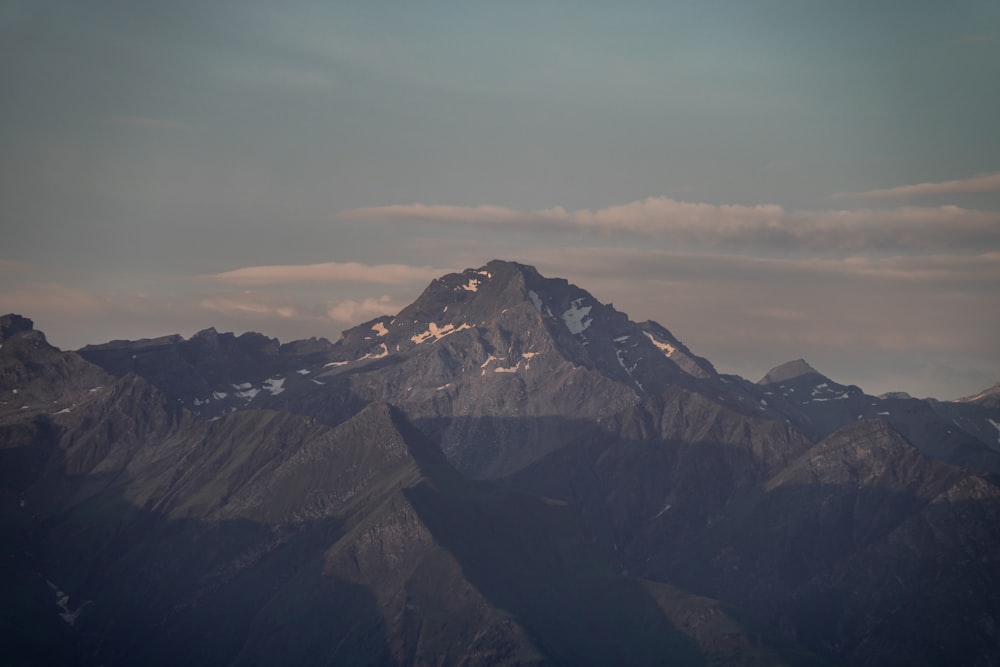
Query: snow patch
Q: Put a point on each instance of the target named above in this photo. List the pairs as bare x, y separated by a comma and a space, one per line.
667, 348
577, 317
621, 362
380, 329
64, 411
334, 363
663, 511
303, 371
62, 600
384, 352
621, 339
248, 393
500, 369
318, 382
437, 333
241, 387
274, 385
471, 286
539, 306
996, 425
219, 395
884, 413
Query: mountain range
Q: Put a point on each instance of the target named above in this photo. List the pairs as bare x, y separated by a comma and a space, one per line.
507, 471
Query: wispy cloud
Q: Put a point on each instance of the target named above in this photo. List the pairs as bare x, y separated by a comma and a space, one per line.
263, 306
943, 271
249, 304
352, 312
51, 297
325, 273
981, 183
149, 123
13, 266
975, 39
730, 226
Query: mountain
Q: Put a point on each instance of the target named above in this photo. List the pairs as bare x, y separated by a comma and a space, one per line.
860, 547
960, 432
499, 365
507, 471
989, 398
269, 537
790, 370
811, 538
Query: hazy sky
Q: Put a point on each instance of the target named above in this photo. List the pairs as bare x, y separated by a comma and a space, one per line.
768, 180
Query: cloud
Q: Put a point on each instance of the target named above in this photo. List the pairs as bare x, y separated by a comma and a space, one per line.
263, 306
980, 183
640, 266
327, 273
249, 304
353, 312
730, 226
975, 39
651, 215
14, 266
52, 297
149, 123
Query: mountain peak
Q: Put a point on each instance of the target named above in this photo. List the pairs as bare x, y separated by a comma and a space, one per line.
11, 324
988, 397
788, 371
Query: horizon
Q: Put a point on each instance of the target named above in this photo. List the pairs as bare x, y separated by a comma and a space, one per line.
769, 183
332, 339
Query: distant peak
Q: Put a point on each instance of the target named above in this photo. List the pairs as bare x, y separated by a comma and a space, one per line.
894, 394
11, 324
788, 371
206, 333
502, 265
982, 396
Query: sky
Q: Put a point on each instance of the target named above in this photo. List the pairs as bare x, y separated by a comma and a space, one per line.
768, 180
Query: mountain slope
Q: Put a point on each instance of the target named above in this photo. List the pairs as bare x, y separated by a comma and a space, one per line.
859, 548
656, 473
270, 537
961, 433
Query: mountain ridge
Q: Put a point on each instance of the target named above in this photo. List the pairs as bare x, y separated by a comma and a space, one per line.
480, 479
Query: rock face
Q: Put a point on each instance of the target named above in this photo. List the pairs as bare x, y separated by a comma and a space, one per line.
865, 548
989, 398
477, 480
960, 432
790, 370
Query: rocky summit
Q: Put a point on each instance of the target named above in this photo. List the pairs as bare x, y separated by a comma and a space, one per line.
507, 471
